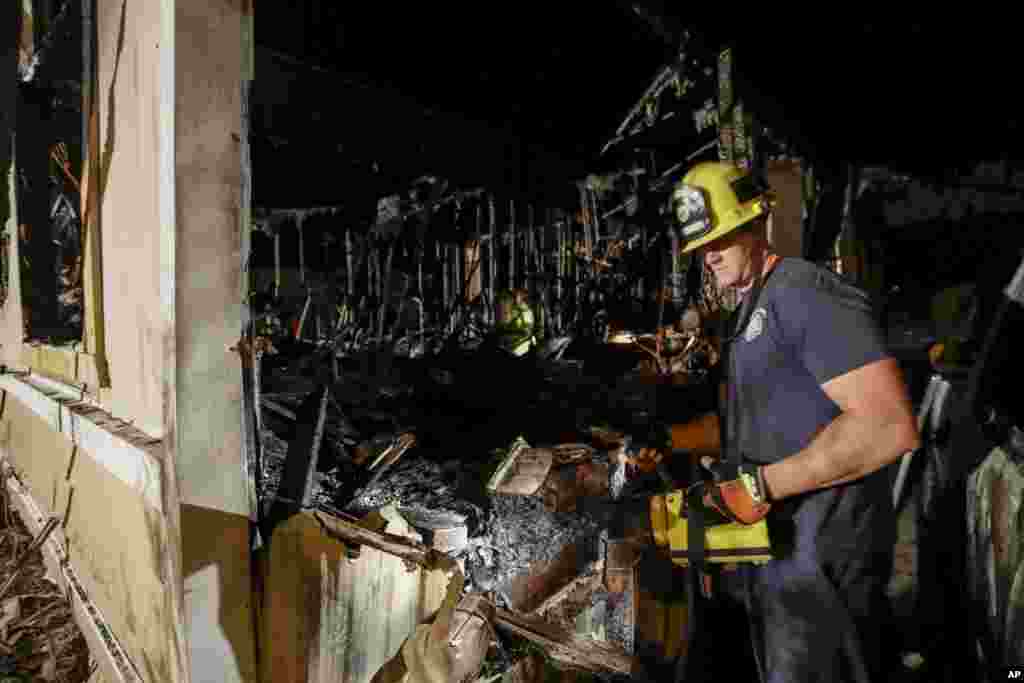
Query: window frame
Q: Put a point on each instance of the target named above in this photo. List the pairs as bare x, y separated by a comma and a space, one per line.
82, 363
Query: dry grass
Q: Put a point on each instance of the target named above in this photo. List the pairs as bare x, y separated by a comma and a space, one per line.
39, 638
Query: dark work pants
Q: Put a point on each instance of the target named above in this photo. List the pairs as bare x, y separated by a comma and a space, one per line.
813, 622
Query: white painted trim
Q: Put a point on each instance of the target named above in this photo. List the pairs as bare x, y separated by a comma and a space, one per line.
123, 450
107, 651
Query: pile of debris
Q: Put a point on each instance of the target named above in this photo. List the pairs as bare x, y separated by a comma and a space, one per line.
497, 537
39, 639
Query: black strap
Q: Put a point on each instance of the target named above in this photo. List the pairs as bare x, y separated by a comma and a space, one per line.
695, 666
730, 424
692, 666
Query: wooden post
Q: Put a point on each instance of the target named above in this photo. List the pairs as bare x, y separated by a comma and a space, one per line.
370, 289
439, 273
473, 274
493, 259
257, 388
386, 294
642, 283
445, 280
419, 269
530, 269
302, 249
561, 274
677, 292
350, 266
458, 257
595, 217
277, 262
512, 244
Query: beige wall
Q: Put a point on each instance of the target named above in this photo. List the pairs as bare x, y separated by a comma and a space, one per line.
172, 309
128, 93
115, 540
129, 90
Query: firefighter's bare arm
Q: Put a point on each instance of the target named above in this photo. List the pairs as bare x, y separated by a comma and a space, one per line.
876, 427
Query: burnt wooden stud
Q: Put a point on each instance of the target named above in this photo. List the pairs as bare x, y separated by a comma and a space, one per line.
297, 481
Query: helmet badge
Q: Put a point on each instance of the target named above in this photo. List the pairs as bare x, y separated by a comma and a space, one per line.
690, 209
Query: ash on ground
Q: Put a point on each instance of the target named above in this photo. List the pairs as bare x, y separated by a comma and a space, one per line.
507, 535
522, 533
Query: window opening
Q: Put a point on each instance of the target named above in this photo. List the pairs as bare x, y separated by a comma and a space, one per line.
50, 149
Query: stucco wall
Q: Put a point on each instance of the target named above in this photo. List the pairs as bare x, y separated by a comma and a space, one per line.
209, 286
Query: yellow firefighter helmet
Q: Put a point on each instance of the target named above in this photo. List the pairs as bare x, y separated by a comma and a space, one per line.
713, 199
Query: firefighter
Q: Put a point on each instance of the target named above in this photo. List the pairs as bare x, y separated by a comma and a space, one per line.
816, 408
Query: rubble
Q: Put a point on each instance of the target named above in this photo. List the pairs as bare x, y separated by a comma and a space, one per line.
407, 342
39, 639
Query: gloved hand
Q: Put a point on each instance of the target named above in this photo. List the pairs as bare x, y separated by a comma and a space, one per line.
655, 436
737, 494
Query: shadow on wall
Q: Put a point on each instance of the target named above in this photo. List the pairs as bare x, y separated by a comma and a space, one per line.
218, 595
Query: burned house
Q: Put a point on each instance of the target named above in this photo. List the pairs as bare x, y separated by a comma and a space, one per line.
282, 284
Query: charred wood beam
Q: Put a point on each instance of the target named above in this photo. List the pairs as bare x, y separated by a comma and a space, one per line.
567, 648
347, 531
564, 646
296, 489
589, 580
277, 408
512, 244
376, 469
492, 246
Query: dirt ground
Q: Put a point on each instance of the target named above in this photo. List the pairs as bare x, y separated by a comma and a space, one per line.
39, 639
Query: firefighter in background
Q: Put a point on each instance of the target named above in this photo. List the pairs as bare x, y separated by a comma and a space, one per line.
515, 325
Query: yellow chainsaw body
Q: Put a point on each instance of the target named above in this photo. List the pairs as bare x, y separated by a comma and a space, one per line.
723, 543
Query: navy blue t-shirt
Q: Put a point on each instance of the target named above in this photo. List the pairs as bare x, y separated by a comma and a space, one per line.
809, 326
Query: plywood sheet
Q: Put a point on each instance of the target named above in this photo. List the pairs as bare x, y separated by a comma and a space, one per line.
208, 175
113, 538
38, 453
329, 619
129, 116
219, 595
